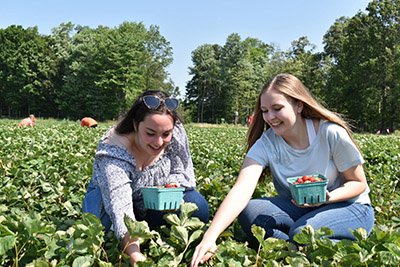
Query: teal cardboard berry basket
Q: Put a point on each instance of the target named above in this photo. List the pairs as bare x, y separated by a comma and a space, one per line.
161, 198
308, 193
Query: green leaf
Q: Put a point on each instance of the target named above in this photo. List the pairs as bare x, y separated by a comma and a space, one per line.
380, 235
298, 261
259, 233
78, 245
187, 210
323, 232
195, 236
3, 208
193, 223
47, 187
33, 223
6, 243
179, 233
388, 258
360, 234
137, 229
172, 219
352, 259
83, 261
52, 248
5, 231
92, 222
302, 238
168, 261
393, 248
40, 264
104, 263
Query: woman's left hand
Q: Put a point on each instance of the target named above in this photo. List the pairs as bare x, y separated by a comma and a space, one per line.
313, 205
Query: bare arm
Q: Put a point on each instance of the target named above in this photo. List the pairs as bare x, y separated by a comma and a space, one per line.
132, 249
233, 204
355, 184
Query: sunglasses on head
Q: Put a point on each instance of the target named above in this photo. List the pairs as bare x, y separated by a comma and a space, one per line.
153, 102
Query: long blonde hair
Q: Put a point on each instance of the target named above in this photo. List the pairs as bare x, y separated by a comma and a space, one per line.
294, 89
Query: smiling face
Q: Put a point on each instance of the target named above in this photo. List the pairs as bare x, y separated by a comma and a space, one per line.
281, 114
154, 133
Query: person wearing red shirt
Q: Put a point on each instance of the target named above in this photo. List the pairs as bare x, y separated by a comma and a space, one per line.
251, 118
27, 121
89, 122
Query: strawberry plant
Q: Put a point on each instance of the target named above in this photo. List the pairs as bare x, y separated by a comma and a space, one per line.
45, 170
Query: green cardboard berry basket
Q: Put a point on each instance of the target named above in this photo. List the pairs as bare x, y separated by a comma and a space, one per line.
161, 198
308, 193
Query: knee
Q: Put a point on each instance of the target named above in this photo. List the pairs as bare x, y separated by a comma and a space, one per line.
246, 221
250, 215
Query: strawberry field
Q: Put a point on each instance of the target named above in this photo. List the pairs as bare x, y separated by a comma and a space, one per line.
45, 170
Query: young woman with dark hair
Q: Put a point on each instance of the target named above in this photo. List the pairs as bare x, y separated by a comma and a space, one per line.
148, 147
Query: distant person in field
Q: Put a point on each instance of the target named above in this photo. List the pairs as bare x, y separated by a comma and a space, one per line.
293, 135
89, 122
251, 118
148, 147
27, 121
236, 117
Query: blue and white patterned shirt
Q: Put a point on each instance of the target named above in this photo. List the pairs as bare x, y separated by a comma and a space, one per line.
116, 174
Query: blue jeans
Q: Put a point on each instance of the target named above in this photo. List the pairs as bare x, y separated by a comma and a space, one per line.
93, 203
282, 219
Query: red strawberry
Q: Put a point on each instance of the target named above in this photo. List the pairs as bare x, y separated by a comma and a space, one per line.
171, 185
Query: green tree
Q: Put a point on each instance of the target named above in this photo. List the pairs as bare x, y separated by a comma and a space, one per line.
266, 61
61, 40
308, 66
108, 68
25, 71
228, 79
234, 68
202, 90
157, 57
364, 51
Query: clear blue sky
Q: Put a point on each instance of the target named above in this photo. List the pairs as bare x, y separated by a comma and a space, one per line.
189, 24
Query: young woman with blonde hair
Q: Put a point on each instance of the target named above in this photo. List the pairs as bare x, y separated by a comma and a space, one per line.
293, 135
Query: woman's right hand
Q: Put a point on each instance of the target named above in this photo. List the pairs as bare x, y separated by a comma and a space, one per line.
233, 204
132, 249
203, 252
136, 257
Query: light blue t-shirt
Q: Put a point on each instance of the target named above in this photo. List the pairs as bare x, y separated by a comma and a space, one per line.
331, 153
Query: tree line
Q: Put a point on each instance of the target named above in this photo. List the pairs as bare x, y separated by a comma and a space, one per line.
78, 71
357, 74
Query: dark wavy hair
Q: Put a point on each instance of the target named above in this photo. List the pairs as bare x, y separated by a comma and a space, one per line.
139, 111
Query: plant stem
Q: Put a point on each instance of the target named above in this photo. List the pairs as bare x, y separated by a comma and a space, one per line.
258, 253
122, 254
105, 253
